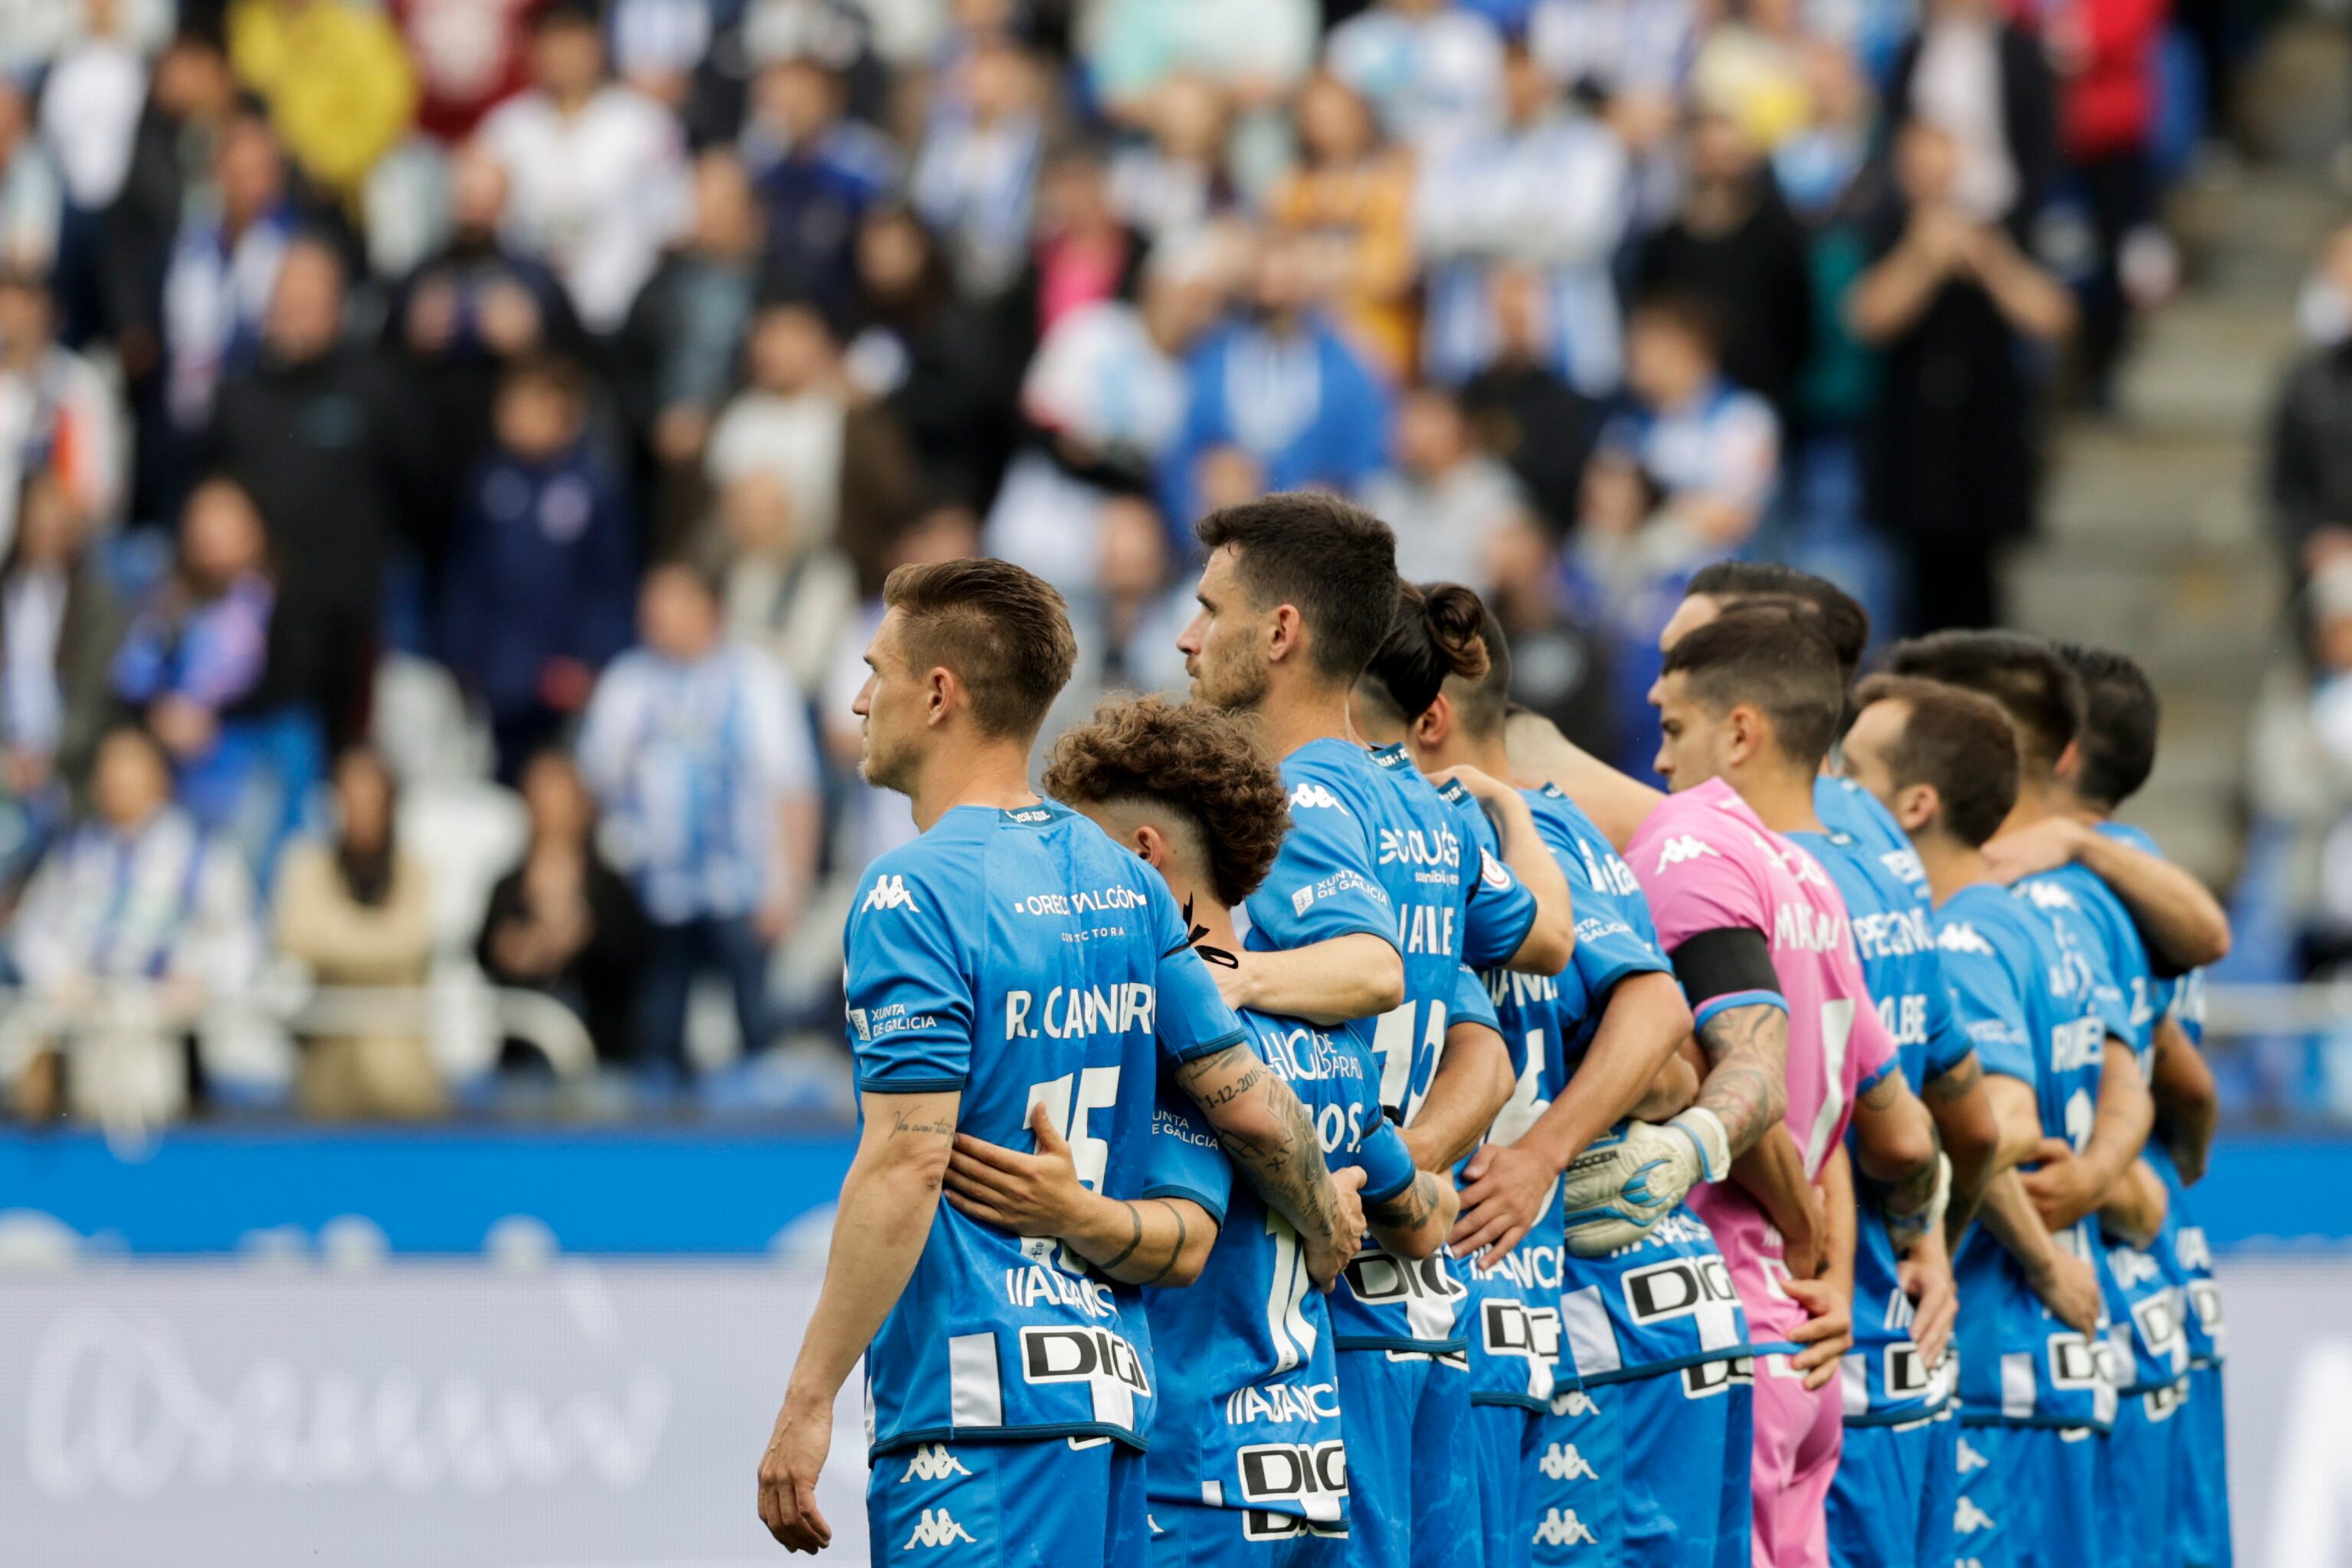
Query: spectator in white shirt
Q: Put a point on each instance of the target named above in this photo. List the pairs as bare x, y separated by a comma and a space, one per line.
132, 928
1445, 498
597, 171
976, 178
89, 122
698, 747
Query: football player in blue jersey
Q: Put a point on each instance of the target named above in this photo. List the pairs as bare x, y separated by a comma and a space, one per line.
1648, 1414
2182, 1514
1247, 1463
1945, 762
1009, 962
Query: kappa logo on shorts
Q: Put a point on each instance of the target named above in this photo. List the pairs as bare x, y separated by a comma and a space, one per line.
1683, 847
1561, 1462
936, 1529
1970, 1460
932, 1462
888, 892
1968, 1518
1560, 1527
1574, 1402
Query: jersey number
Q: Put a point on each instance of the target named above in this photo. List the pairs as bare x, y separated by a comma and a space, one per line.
1097, 1089
1392, 1042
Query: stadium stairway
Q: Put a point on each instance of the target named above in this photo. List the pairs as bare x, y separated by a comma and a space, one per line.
2154, 535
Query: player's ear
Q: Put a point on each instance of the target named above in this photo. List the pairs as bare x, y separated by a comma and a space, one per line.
1151, 845
1916, 806
1435, 723
942, 692
2069, 761
1286, 633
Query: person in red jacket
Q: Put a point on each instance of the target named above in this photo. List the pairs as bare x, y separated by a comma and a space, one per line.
2104, 54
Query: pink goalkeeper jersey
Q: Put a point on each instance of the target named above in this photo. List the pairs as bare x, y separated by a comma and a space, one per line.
1707, 863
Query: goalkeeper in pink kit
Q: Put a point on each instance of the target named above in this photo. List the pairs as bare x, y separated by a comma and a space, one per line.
1794, 1048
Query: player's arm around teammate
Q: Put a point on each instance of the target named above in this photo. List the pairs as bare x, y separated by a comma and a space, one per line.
2066, 1185
884, 1219
2177, 916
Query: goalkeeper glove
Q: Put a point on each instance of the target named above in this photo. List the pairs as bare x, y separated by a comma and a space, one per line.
1630, 1179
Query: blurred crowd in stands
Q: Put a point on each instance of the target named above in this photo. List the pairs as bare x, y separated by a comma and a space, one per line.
450, 449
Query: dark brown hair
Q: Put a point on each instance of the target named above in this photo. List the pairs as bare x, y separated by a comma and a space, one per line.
1004, 631
1195, 763
2036, 688
1439, 630
1958, 742
1334, 562
1843, 621
2120, 717
1773, 658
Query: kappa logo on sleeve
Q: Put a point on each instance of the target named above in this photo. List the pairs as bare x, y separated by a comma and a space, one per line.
889, 891
1314, 796
1960, 936
1685, 847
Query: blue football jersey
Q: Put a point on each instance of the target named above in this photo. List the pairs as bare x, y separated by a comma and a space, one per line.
1020, 958
1248, 1415
1349, 863
2024, 1002
1667, 1300
1892, 918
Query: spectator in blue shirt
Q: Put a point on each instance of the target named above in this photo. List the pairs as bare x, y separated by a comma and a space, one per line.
199, 647
698, 747
1276, 400
541, 579
816, 173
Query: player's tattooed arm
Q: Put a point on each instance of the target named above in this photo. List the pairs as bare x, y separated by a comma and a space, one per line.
1271, 1139
1154, 1241
1896, 1140
1414, 1222
1965, 1124
1746, 1050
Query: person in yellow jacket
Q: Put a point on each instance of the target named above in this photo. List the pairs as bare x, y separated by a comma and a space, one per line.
336, 79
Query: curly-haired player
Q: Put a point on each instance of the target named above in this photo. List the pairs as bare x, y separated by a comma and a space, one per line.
1246, 1464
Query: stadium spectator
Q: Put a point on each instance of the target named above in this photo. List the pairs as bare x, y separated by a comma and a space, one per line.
1546, 191
975, 180
59, 415
1559, 659
134, 924
354, 910
1433, 68
1951, 303
469, 55
782, 593
1254, 50
31, 198
675, 362
1735, 246
1523, 411
597, 171
90, 105
60, 624
1084, 252
2310, 460
223, 272
336, 77
1713, 447
1445, 498
1276, 398
563, 923
1180, 177
542, 578
698, 748
197, 651
461, 319
1978, 74
845, 464
937, 360
816, 171
1352, 196
335, 451
1751, 70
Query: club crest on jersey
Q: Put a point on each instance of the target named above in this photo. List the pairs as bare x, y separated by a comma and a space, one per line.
1313, 796
889, 891
1561, 1462
932, 1462
1493, 873
936, 1529
1560, 1527
1685, 847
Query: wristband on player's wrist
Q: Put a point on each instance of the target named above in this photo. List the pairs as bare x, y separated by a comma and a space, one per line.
1705, 1131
